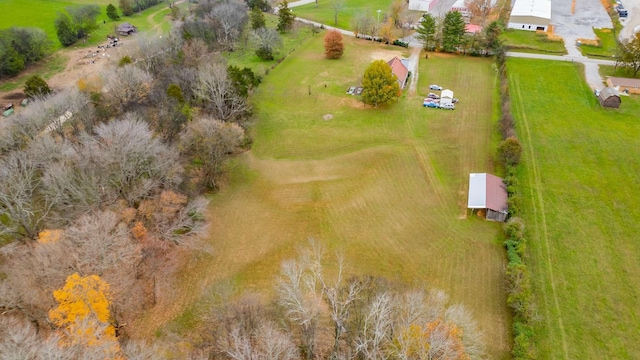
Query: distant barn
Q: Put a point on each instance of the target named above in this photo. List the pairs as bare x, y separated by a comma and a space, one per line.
488, 192
609, 98
126, 29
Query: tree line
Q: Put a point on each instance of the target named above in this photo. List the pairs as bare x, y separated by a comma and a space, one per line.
101, 188
448, 35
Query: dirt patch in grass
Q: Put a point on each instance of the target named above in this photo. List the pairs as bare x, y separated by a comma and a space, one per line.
385, 54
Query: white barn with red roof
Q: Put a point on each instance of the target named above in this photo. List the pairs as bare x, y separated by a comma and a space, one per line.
488, 192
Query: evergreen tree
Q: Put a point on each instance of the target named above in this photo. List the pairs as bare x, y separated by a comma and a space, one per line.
492, 41
285, 17
36, 86
380, 85
12, 62
452, 31
112, 12
257, 18
426, 32
64, 30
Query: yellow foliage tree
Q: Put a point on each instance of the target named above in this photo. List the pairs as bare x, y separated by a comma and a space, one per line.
83, 313
50, 236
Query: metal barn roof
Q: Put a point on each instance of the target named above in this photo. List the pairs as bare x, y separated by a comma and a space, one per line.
535, 8
486, 191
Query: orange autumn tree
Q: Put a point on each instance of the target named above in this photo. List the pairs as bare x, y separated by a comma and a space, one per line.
83, 312
333, 46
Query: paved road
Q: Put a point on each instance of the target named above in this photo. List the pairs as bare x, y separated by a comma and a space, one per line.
300, 3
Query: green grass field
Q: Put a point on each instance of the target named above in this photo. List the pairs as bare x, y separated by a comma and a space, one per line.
530, 41
324, 12
42, 13
607, 48
609, 70
579, 181
386, 186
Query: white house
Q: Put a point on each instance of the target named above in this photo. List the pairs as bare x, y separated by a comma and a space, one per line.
530, 15
446, 96
460, 7
422, 5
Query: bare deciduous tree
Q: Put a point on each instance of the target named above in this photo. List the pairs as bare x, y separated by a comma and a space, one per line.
133, 161
24, 211
230, 17
211, 142
301, 299
375, 332
126, 87
217, 94
480, 8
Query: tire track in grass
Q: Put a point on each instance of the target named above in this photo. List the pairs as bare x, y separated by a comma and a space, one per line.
538, 210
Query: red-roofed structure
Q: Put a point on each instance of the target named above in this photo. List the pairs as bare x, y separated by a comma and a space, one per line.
399, 70
488, 192
472, 29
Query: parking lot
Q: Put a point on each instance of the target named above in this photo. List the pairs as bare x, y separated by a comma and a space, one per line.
588, 14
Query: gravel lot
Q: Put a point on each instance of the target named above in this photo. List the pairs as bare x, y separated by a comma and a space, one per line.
632, 22
588, 14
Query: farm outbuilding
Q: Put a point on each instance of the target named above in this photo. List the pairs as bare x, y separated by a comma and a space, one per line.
609, 98
126, 29
488, 192
626, 85
400, 70
530, 15
446, 96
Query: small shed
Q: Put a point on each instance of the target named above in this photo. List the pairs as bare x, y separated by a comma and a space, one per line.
609, 98
488, 192
627, 85
446, 96
126, 29
400, 70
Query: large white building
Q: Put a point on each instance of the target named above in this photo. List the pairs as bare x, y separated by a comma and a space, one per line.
530, 15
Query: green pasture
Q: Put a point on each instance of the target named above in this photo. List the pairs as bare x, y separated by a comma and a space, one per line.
608, 44
42, 14
324, 12
580, 178
530, 41
385, 186
610, 70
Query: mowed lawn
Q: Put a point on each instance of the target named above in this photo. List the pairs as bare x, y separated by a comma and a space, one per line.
324, 13
580, 181
386, 187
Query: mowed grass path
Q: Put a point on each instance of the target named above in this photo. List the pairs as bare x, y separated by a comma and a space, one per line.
580, 182
386, 187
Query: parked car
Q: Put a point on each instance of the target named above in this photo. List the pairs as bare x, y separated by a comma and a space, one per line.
435, 87
351, 90
430, 104
447, 106
433, 96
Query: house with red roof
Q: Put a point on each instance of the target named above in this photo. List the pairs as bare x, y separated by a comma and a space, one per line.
400, 70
